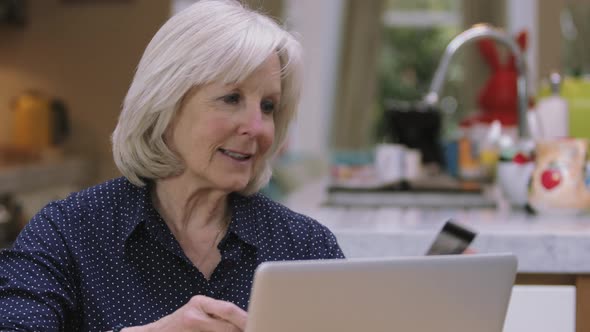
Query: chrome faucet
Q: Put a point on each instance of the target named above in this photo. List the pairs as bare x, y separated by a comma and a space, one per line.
476, 32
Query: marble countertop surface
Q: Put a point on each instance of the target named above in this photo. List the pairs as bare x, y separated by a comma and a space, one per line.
543, 244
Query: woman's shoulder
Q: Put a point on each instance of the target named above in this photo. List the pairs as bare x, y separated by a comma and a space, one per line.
269, 208
107, 194
277, 215
113, 195
86, 216
292, 235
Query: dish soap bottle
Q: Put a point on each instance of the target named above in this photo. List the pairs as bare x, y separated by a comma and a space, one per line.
552, 112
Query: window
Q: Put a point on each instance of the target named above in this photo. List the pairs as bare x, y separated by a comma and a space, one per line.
414, 36
575, 29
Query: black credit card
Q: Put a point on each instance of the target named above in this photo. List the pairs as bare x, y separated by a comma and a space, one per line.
452, 239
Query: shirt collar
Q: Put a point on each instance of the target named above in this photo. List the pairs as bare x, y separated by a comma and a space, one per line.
244, 223
245, 219
141, 208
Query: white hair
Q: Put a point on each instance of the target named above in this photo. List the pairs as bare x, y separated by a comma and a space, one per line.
210, 41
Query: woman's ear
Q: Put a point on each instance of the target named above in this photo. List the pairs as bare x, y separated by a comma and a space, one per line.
489, 52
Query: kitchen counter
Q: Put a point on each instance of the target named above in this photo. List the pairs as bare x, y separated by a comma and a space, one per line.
552, 250
543, 244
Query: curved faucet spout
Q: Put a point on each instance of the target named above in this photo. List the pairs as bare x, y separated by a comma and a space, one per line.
480, 31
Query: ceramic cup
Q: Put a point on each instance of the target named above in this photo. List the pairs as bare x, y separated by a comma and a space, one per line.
389, 162
513, 179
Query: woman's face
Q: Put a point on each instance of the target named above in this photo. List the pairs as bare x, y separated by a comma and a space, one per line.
222, 132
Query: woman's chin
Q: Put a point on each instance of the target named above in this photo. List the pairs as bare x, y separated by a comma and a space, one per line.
230, 185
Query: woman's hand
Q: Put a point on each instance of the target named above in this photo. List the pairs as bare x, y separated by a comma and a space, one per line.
200, 314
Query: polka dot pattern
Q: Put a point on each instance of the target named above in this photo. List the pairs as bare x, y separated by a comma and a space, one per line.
104, 256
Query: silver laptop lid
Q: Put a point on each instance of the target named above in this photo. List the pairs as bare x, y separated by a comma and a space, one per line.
459, 293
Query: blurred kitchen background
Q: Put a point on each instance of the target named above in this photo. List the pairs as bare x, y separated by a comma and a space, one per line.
363, 58
65, 66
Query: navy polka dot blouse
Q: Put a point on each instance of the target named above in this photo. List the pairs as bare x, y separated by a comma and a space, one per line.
104, 257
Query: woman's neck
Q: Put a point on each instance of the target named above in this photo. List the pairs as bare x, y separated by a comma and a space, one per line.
188, 208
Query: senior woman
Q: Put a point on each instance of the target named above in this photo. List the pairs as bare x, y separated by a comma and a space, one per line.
173, 245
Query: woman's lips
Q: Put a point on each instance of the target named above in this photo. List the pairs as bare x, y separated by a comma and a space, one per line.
236, 155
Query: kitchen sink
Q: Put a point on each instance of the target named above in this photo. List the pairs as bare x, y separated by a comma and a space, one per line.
434, 192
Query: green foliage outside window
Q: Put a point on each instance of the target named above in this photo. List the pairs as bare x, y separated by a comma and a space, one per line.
409, 57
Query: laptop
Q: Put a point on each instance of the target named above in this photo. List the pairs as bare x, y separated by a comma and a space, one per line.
454, 293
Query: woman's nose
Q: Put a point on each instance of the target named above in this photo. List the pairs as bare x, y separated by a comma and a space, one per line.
253, 121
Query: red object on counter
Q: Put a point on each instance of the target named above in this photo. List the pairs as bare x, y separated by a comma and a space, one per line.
521, 158
498, 99
551, 178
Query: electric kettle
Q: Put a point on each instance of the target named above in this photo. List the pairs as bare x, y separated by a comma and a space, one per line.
40, 122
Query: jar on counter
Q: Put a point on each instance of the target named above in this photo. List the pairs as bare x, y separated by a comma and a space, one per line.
479, 148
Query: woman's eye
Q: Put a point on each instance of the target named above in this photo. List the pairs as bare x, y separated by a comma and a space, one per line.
233, 98
267, 106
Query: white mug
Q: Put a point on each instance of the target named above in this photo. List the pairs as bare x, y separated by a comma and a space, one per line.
513, 179
389, 162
